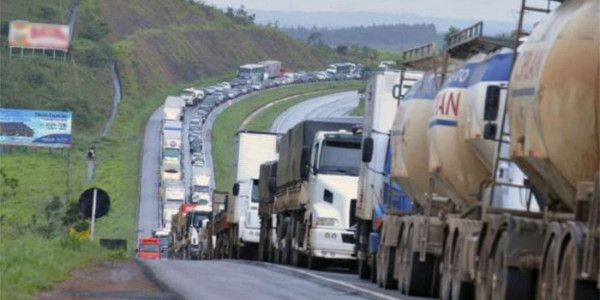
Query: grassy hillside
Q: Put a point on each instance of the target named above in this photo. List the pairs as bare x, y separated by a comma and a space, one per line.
162, 42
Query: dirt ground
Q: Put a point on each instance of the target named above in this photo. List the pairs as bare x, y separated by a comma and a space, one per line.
123, 279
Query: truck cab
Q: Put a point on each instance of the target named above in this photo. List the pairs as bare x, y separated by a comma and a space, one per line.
198, 231
247, 196
201, 190
333, 185
191, 96
149, 248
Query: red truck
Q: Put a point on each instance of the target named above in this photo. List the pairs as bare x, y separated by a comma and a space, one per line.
149, 248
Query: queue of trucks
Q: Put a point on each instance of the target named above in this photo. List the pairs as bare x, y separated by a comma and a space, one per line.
474, 174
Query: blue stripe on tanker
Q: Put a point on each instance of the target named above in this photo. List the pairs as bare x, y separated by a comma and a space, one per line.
495, 68
438, 122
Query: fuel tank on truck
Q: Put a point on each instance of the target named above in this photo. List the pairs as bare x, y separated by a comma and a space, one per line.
554, 102
410, 157
461, 155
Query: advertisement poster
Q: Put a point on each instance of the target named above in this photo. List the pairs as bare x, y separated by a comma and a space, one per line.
41, 128
38, 35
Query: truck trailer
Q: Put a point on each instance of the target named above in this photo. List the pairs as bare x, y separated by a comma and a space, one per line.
173, 108
272, 68
384, 92
240, 236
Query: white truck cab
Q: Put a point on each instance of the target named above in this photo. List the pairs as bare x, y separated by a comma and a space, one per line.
191, 96
333, 185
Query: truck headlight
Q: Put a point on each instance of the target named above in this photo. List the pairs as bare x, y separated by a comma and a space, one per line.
331, 222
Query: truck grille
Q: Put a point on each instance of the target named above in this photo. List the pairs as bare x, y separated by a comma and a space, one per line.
348, 238
352, 217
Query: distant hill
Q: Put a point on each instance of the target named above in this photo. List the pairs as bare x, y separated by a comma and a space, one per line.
384, 37
334, 20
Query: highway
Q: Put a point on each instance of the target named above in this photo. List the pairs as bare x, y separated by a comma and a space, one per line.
235, 279
335, 105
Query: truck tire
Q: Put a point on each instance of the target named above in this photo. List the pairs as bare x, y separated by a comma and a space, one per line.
386, 268
315, 263
364, 270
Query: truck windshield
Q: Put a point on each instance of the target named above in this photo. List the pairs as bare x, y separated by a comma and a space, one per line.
149, 248
201, 189
164, 240
172, 152
255, 191
340, 157
187, 94
198, 219
174, 202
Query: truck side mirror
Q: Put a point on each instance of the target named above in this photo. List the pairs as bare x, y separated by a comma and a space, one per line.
304, 162
492, 103
236, 189
272, 185
367, 153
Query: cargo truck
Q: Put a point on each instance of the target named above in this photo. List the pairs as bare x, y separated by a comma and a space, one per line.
315, 198
179, 232
173, 195
241, 234
383, 93
219, 226
272, 68
201, 183
267, 186
148, 248
173, 108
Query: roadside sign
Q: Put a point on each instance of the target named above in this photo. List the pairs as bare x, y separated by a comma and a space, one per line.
42, 128
86, 203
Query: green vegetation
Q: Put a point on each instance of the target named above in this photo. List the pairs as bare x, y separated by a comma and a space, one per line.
359, 110
227, 123
31, 264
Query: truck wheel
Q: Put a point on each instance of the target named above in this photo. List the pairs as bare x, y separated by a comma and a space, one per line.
387, 268
315, 263
568, 287
505, 282
364, 270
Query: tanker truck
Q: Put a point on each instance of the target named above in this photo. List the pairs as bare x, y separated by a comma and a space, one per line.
315, 197
441, 158
554, 116
382, 96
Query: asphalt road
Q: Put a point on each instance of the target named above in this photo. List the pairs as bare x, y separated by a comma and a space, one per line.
149, 204
334, 105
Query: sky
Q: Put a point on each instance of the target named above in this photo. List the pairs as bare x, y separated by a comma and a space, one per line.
488, 10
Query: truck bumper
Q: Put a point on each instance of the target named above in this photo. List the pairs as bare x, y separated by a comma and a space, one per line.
249, 235
332, 243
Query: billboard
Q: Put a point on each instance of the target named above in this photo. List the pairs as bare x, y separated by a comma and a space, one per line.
43, 128
37, 35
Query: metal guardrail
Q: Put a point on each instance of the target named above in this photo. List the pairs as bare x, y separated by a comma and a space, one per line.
465, 35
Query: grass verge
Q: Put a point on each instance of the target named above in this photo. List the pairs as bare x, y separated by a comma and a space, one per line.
227, 123
31, 264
